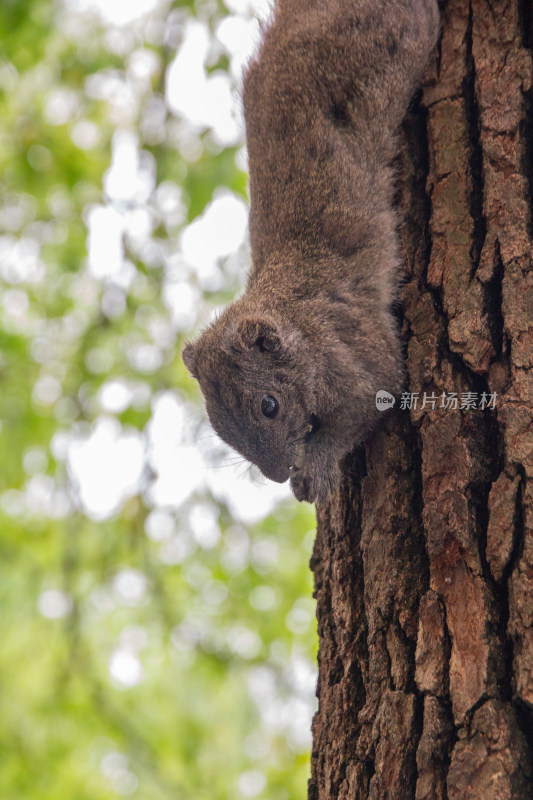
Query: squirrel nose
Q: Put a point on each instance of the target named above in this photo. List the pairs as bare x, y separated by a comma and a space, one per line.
275, 472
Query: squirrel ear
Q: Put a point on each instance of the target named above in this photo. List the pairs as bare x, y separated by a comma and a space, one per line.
189, 359
257, 333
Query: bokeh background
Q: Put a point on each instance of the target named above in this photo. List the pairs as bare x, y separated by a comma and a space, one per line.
157, 632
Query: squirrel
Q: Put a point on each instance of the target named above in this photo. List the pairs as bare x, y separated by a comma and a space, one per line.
290, 370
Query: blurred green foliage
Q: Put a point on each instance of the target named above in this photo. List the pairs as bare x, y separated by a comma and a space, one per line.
137, 658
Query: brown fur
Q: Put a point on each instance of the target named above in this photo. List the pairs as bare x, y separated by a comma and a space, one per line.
323, 99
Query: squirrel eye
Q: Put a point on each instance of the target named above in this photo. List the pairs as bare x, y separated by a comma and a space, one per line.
269, 406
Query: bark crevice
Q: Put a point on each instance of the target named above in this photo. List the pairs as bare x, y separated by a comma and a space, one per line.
493, 305
526, 24
475, 157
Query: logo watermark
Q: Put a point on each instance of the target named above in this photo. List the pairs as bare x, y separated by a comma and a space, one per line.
451, 401
384, 400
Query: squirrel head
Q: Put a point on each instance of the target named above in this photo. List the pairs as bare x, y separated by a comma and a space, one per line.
258, 398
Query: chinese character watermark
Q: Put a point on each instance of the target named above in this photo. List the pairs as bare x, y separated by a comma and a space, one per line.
429, 401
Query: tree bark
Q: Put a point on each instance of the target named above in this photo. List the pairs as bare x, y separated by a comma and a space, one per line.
423, 560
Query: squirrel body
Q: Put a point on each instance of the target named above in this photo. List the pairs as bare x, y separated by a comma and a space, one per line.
290, 370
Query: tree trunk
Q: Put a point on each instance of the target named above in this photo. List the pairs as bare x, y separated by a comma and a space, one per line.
424, 560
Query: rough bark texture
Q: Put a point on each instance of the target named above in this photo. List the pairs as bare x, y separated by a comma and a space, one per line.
424, 560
